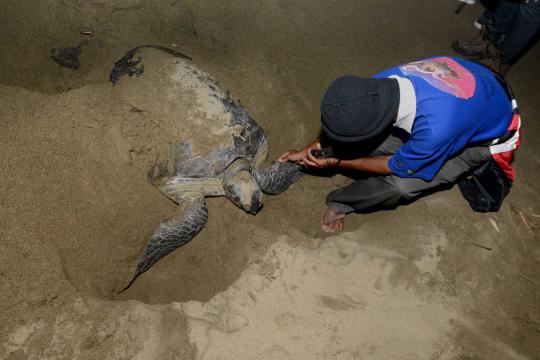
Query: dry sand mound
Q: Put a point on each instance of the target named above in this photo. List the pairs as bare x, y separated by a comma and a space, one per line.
331, 299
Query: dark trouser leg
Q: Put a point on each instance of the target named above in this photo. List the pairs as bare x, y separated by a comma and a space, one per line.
525, 28
388, 147
512, 27
386, 192
501, 21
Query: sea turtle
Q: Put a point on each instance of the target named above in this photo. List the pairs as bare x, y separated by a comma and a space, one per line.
217, 150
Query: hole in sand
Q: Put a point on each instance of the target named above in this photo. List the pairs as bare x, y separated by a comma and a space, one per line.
96, 208
210, 263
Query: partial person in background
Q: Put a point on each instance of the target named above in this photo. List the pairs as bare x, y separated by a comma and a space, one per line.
506, 34
490, 5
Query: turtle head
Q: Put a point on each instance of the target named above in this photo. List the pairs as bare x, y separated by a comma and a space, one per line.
241, 188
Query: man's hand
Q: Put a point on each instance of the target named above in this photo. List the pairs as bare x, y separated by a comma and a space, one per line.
370, 165
300, 157
320, 163
297, 156
304, 157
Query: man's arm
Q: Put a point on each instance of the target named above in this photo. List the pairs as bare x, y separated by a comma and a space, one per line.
371, 165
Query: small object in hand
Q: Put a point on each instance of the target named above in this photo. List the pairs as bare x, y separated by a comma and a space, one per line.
322, 153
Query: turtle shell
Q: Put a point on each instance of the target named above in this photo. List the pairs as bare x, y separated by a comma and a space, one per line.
198, 129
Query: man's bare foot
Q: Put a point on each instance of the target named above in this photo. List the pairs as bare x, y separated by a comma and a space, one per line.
333, 221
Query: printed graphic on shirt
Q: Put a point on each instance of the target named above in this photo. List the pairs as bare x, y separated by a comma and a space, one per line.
445, 74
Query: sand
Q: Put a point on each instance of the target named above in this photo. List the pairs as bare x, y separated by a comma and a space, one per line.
336, 298
432, 280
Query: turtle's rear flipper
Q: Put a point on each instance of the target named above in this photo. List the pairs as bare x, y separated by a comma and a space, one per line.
173, 233
278, 177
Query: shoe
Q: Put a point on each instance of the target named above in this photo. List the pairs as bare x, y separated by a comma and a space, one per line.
475, 49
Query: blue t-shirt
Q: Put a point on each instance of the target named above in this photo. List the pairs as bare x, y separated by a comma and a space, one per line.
458, 103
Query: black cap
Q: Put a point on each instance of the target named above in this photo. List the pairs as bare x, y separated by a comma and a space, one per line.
355, 108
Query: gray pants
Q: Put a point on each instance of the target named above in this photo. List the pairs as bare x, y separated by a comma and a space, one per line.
387, 191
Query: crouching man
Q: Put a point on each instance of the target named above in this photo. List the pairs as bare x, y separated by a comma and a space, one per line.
414, 129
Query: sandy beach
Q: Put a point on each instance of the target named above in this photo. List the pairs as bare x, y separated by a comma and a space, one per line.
433, 280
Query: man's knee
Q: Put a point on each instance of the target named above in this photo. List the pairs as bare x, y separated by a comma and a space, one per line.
406, 188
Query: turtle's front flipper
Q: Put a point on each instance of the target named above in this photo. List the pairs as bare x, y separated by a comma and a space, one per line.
277, 177
173, 233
